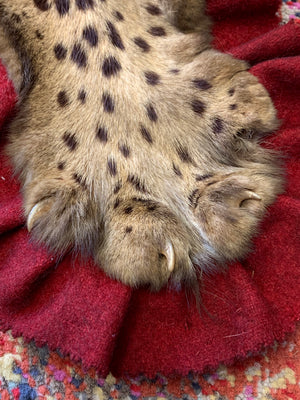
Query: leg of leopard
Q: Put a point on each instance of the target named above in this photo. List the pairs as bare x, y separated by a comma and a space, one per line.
136, 142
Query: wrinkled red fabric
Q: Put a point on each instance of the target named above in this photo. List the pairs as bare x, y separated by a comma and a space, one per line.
71, 305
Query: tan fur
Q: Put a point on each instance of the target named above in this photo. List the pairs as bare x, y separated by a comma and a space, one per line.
177, 158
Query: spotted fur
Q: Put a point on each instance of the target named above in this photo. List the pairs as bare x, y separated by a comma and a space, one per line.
135, 141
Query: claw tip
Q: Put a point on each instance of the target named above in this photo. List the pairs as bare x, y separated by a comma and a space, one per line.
30, 219
170, 255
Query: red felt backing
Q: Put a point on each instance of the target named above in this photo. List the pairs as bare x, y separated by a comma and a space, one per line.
71, 305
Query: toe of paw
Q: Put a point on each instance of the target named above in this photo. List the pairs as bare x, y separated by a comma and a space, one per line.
230, 212
230, 233
145, 266
145, 247
251, 104
60, 218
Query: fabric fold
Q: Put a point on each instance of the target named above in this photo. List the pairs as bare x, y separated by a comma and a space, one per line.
68, 304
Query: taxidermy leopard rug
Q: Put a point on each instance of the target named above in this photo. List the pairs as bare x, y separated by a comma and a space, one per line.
135, 141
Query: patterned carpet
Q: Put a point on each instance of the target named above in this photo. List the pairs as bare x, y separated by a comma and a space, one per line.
290, 10
29, 373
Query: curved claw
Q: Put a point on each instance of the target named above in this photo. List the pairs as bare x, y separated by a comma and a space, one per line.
169, 253
252, 195
32, 215
30, 219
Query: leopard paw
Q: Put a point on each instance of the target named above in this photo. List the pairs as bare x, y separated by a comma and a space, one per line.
145, 243
61, 214
230, 207
245, 109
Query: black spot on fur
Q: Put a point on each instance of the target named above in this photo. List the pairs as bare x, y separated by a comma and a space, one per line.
203, 177
153, 10
152, 78
125, 150
112, 167
201, 84
218, 125
136, 182
60, 51
43, 5
111, 66
140, 200
70, 141
151, 113
62, 6
79, 179
198, 106
117, 188
84, 4
242, 132
39, 35
128, 210
102, 134
142, 44
108, 103
231, 92
174, 71
146, 134
90, 34
119, 16
117, 203
150, 204
114, 36
15, 18
177, 170
152, 207
78, 56
194, 197
233, 106
128, 229
82, 96
211, 183
61, 166
62, 98
157, 31
183, 153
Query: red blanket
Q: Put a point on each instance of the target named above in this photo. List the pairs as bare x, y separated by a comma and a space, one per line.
73, 306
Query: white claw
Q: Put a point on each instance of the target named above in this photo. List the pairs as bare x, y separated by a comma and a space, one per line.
252, 195
30, 220
170, 255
